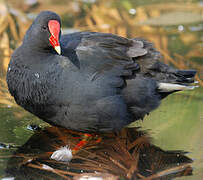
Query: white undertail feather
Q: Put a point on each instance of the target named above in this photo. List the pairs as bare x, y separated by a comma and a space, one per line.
169, 87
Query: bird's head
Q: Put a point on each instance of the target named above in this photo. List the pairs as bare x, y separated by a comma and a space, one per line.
45, 31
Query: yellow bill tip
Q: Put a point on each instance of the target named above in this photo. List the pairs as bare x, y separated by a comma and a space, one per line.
58, 49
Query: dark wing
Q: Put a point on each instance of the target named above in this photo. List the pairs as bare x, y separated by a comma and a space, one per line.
98, 50
129, 71
108, 55
151, 66
107, 61
154, 81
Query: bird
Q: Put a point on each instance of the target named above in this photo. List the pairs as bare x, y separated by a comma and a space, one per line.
89, 81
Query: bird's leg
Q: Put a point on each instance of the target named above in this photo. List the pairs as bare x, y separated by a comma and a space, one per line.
86, 138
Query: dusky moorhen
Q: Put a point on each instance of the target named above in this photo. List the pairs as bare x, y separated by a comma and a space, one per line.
89, 81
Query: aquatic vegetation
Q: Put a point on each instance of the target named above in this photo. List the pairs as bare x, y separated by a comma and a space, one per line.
128, 155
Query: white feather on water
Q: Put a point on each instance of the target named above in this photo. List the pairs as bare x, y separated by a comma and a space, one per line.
62, 154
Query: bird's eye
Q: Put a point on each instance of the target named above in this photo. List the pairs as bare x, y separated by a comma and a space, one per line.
44, 28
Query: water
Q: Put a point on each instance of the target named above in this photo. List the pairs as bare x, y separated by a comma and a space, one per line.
177, 124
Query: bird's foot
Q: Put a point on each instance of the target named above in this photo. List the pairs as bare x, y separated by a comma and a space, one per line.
85, 140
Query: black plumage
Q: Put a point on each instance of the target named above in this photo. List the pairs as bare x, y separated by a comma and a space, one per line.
100, 82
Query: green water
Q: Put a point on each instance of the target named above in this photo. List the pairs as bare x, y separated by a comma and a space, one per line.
178, 123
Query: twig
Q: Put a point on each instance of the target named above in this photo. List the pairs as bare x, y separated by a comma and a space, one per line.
56, 171
133, 167
168, 171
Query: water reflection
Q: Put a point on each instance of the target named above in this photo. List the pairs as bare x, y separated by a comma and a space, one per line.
128, 154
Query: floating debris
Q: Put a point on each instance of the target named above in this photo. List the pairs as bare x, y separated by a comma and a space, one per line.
33, 127
7, 146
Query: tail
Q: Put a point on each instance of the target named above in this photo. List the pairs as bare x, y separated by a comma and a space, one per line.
184, 81
168, 78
